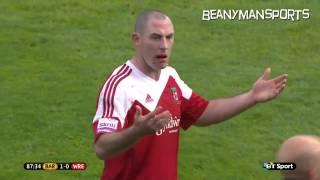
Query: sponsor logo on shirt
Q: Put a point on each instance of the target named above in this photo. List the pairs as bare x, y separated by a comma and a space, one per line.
172, 126
107, 125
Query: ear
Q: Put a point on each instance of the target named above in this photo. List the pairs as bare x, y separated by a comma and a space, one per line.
135, 37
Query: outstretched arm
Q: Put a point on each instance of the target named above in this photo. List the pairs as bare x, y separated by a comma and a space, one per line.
263, 90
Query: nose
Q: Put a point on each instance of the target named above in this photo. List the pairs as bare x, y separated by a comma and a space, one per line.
164, 44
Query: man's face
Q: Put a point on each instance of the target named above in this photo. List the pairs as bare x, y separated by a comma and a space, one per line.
156, 43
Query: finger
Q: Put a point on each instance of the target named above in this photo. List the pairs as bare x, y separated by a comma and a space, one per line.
266, 73
163, 115
153, 113
280, 89
160, 120
161, 123
165, 121
138, 111
281, 78
280, 84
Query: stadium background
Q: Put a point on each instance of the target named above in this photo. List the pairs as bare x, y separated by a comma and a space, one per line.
54, 56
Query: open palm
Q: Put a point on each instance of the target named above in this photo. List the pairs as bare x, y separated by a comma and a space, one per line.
264, 90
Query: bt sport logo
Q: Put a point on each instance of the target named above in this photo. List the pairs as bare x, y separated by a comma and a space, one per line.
279, 166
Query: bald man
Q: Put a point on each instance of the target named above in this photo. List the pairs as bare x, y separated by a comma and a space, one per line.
304, 150
144, 103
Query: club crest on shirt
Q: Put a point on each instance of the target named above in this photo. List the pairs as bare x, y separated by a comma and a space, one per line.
175, 94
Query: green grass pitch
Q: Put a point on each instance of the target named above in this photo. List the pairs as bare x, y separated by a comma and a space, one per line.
54, 55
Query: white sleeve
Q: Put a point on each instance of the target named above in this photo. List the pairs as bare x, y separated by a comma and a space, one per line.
112, 106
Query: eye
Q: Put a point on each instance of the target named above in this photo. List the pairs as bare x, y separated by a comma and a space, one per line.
169, 37
155, 37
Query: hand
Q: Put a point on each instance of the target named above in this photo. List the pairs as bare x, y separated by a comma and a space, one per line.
151, 122
264, 90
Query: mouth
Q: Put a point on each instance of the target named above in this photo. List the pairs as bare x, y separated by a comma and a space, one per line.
161, 57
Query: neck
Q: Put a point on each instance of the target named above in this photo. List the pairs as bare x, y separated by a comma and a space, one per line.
144, 68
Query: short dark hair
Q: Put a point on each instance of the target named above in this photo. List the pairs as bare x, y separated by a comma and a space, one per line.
143, 18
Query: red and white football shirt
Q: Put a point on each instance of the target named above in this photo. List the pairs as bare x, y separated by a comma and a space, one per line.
153, 157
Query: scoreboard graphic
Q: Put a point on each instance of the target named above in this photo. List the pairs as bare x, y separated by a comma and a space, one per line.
74, 166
